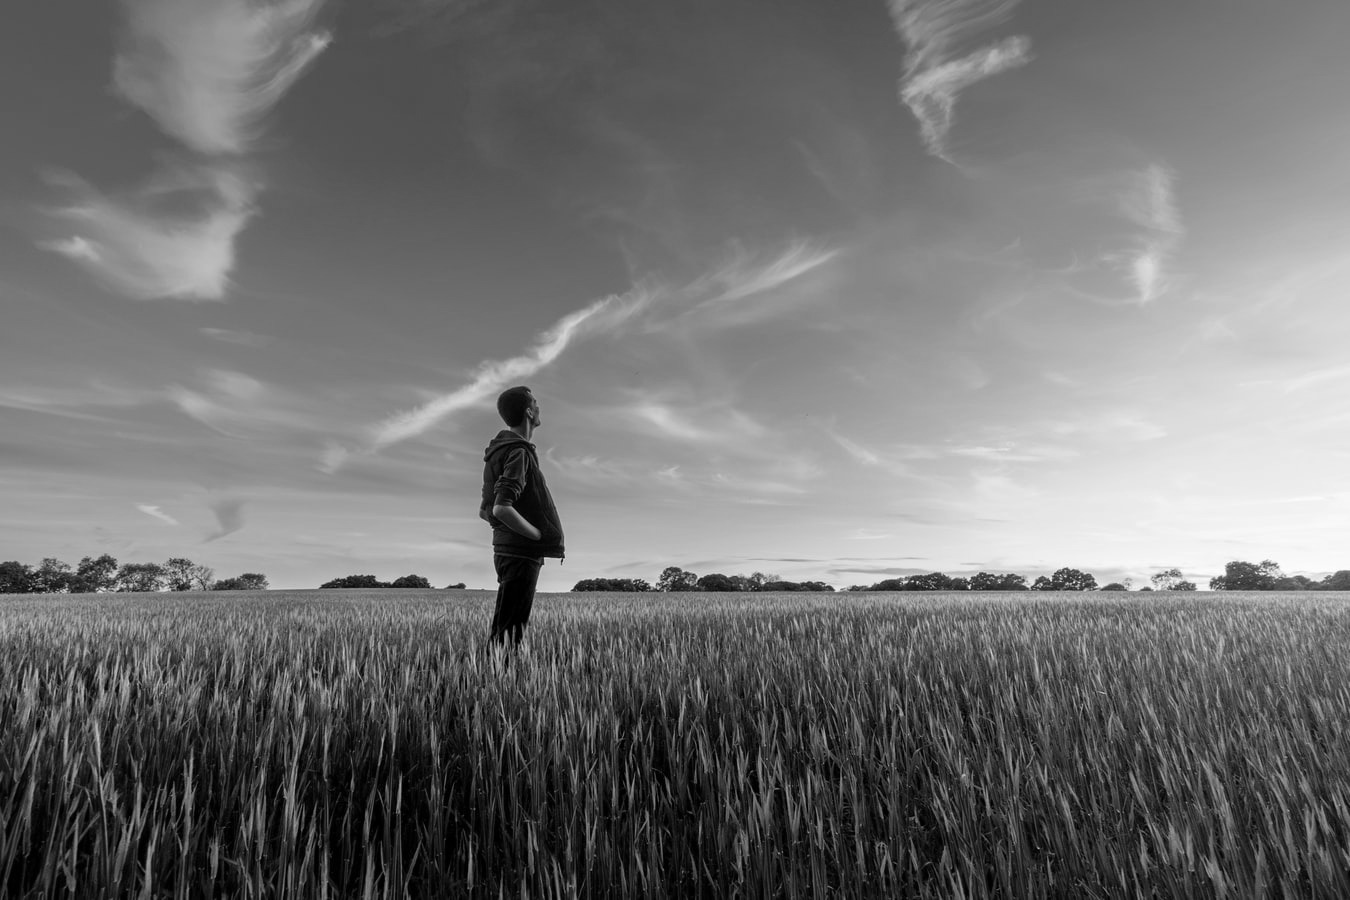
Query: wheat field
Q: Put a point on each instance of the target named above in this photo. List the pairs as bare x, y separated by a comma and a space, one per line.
364, 744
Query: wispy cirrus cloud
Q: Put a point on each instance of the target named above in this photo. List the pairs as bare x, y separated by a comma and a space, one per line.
857, 451
744, 277
934, 76
680, 423
144, 246
1148, 200
746, 288
230, 401
735, 281
156, 513
229, 518
207, 72
602, 315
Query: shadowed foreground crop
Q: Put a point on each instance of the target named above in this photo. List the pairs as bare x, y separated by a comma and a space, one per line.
347, 744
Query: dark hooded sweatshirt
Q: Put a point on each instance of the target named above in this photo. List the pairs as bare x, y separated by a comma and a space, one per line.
512, 477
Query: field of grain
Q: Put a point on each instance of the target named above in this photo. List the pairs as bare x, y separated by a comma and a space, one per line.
362, 744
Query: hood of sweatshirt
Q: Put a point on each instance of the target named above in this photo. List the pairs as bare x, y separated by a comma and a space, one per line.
504, 440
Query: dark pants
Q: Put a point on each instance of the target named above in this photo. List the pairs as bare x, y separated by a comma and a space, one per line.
516, 580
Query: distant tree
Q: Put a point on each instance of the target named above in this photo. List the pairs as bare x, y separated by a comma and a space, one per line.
988, 581
1167, 579
716, 582
622, 585
52, 576
1340, 581
97, 575
1145, 588
676, 579
889, 584
741, 583
1114, 586
759, 579
933, 581
145, 577
16, 578
1067, 579
1171, 580
178, 573
354, 581
1294, 583
1042, 583
797, 587
203, 578
984, 581
1239, 575
455, 587
249, 581
410, 581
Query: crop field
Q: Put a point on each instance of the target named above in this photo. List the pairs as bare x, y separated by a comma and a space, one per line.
364, 744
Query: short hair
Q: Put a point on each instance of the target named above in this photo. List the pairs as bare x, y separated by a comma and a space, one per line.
512, 405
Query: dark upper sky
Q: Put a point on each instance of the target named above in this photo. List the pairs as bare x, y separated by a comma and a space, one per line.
832, 290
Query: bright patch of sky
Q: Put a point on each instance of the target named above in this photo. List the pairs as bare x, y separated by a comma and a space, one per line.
833, 291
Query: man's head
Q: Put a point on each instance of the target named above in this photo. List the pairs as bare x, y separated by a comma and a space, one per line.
516, 406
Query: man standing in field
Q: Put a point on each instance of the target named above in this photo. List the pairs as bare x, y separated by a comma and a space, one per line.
518, 506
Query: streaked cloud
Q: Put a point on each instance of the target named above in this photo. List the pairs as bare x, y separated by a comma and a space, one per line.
747, 288
931, 95
1149, 201
737, 280
144, 246
591, 469
76, 402
1009, 453
934, 76
601, 316
865, 534
1110, 425
229, 515
743, 277
855, 450
156, 513
240, 406
1316, 377
682, 423
208, 71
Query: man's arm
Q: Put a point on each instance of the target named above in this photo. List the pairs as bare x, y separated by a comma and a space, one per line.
512, 519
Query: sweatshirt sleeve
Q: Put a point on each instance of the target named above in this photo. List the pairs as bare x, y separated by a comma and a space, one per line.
515, 475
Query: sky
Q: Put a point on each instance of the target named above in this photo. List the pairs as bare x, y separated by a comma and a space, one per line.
836, 291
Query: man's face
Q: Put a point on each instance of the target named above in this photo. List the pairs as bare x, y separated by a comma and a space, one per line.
533, 413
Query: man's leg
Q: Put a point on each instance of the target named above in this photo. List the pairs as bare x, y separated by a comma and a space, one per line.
516, 580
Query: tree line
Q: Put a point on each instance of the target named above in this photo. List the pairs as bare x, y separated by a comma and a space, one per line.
103, 574
370, 581
1239, 575
677, 580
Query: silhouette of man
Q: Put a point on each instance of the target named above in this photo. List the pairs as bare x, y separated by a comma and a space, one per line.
517, 504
